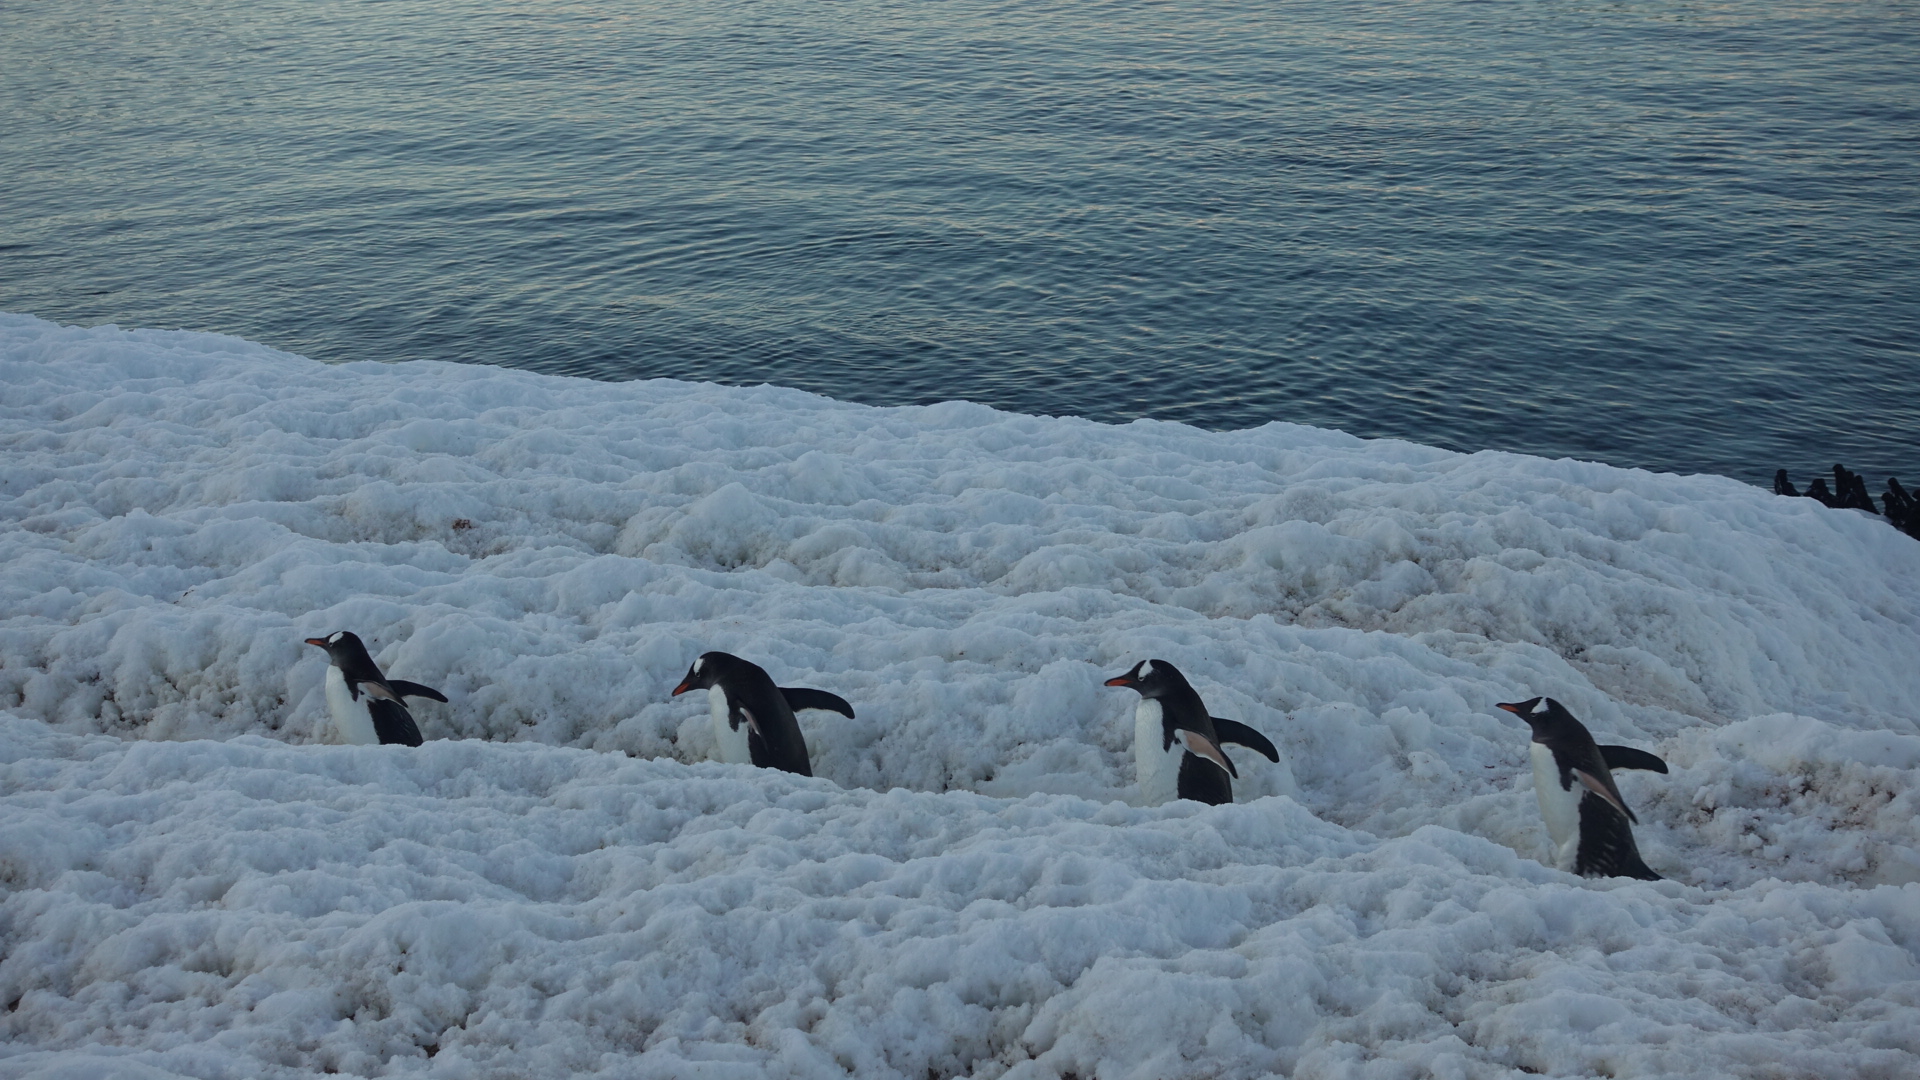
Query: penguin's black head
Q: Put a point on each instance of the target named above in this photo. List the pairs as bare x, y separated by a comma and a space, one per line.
707, 672
1153, 678
344, 648
1548, 718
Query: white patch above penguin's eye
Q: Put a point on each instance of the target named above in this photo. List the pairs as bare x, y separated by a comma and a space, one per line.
334, 638
698, 664
1146, 668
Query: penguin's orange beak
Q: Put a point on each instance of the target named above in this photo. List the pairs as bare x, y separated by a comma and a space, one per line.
1119, 680
681, 689
1510, 706
320, 641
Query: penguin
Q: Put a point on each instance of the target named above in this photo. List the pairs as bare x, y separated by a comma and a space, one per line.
752, 718
382, 717
1588, 821
1176, 745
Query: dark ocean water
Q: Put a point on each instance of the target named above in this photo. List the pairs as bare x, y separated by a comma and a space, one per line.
1677, 235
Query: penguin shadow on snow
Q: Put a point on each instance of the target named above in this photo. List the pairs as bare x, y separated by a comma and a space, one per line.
1177, 745
1588, 822
753, 720
366, 706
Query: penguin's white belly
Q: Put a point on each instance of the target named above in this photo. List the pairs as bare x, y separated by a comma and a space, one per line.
350, 717
732, 741
1157, 770
1560, 807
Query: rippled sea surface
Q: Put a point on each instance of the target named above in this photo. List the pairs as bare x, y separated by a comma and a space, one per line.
1677, 235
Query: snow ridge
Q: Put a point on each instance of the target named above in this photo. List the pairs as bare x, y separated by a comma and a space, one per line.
560, 881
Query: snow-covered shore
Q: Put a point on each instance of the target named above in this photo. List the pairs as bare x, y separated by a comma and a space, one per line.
560, 882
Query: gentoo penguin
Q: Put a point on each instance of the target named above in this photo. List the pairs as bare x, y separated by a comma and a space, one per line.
752, 718
1573, 778
1176, 745
381, 717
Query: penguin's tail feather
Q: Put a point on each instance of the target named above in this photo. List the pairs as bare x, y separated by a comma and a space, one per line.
1642, 871
414, 689
1233, 731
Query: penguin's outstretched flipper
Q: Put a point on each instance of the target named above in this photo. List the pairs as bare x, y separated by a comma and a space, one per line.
1626, 757
802, 697
392, 722
1233, 731
413, 689
1606, 843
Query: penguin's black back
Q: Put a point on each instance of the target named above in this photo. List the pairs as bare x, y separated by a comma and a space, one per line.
777, 742
1573, 748
1606, 843
1203, 781
392, 722
1184, 710
1181, 707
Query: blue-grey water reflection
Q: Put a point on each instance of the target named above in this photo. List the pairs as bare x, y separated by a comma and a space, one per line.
1678, 235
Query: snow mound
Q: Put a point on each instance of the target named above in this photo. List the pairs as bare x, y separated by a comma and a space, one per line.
559, 882
485, 910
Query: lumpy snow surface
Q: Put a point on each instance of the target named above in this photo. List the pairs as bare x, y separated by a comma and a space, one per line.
561, 882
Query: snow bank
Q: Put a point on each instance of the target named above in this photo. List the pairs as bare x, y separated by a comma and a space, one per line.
573, 888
